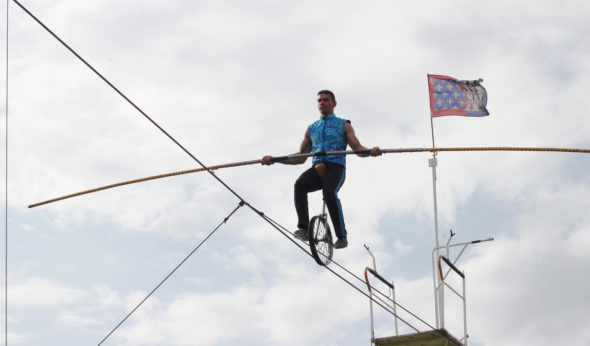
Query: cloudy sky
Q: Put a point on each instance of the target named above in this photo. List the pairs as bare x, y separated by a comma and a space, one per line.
235, 80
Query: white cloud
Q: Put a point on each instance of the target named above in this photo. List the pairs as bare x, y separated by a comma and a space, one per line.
43, 293
77, 321
523, 277
579, 242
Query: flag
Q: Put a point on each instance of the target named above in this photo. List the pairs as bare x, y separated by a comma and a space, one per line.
449, 96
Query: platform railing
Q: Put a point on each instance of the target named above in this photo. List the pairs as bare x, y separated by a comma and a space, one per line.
391, 303
461, 295
440, 284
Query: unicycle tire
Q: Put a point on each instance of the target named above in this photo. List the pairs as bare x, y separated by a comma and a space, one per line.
320, 240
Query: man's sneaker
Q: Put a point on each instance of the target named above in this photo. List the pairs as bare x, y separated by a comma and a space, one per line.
301, 234
341, 243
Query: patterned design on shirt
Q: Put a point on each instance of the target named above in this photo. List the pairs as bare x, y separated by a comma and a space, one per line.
328, 135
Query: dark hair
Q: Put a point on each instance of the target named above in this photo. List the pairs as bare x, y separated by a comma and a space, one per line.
329, 93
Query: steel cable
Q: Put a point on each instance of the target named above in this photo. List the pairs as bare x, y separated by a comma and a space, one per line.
172, 272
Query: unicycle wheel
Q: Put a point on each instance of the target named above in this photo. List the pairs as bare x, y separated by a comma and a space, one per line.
320, 240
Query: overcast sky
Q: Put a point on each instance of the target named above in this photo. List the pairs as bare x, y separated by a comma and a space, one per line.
235, 80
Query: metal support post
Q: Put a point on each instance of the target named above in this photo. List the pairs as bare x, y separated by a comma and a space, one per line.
438, 289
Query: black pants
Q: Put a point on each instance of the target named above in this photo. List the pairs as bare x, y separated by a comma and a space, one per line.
310, 181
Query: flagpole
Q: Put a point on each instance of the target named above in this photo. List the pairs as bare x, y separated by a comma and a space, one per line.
432, 163
449, 97
438, 291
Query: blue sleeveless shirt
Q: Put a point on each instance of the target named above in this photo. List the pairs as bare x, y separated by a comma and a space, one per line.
328, 135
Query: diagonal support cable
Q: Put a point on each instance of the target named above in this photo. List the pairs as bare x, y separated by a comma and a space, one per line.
171, 272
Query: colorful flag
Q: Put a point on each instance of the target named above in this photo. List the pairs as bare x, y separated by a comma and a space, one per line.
449, 96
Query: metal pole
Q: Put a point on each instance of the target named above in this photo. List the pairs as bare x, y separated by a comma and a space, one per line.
464, 314
439, 292
435, 287
394, 309
371, 295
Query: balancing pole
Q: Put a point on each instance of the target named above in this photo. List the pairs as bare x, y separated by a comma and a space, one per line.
295, 156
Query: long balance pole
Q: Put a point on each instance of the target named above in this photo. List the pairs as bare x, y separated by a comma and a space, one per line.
297, 156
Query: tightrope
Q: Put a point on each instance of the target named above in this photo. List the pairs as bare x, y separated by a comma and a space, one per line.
305, 155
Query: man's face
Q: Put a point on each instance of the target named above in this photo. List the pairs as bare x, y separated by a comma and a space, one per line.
326, 104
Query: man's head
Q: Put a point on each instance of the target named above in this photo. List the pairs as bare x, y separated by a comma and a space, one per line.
326, 102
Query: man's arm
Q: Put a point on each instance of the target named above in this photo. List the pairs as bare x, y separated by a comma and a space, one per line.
356, 145
305, 147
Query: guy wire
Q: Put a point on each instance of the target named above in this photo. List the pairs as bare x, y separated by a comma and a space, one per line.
172, 272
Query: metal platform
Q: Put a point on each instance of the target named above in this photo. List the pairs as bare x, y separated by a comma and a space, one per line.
438, 337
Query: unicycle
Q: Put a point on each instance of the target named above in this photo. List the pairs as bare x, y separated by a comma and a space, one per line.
320, 238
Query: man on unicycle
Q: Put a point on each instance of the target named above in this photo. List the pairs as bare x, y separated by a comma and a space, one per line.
327, 172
